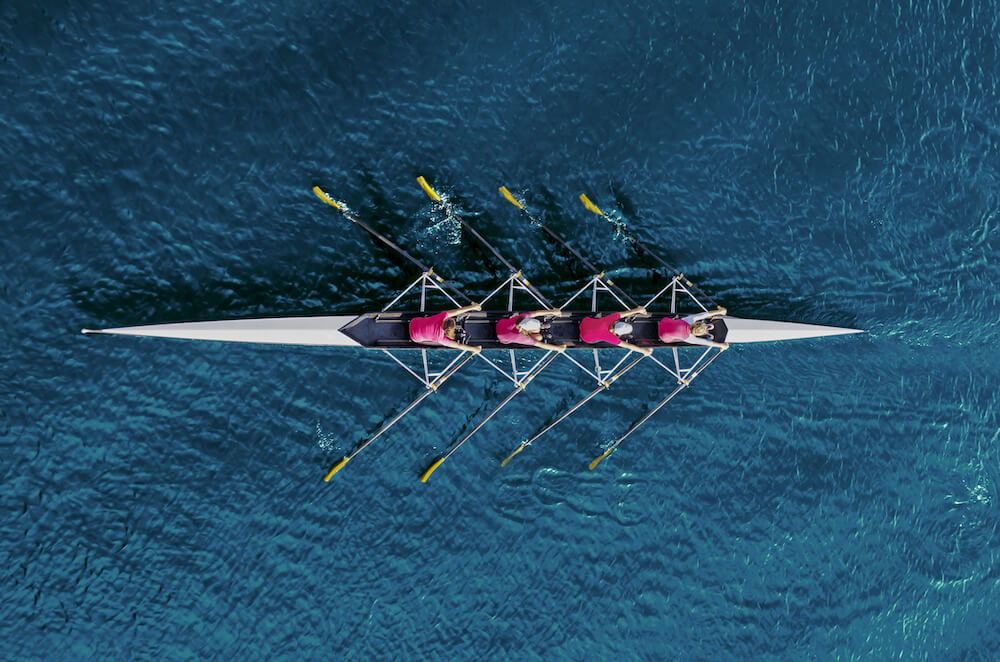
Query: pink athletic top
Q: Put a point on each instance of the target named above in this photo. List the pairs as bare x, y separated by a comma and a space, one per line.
598, 329
508, 334
672, 330
429, 329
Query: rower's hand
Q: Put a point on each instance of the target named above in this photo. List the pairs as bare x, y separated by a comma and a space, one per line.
648, 351
561, 348
724, 345
720, 311
476, 349
555, 312
476, 307
642, 310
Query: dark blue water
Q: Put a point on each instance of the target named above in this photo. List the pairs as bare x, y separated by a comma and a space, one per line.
833, 499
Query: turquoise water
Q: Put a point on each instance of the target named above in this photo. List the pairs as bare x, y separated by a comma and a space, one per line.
833, 499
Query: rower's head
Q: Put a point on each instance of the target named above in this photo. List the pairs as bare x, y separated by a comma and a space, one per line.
529, 325
701, 328
449, 328
621, 329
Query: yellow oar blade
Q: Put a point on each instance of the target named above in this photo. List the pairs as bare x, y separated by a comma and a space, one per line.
427, 474
511, 456
590, 205
431, 193
337, 467
597, 460
322, 195
510, 198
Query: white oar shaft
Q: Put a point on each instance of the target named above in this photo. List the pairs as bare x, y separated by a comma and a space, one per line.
483, 422
395, 419
564, 415
584, 401
655, 409
541, 366
650, 413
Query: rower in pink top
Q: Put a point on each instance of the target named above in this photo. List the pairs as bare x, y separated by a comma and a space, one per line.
691, 329
526, 329
610, 329
440, 329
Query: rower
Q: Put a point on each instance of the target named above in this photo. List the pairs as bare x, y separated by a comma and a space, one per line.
611, 329
526, 329
692, 329
440, 329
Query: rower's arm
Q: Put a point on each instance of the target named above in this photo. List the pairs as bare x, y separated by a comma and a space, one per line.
555, 312
550, 348
635, 348
705, 315
463, 310
465, 348
641, 310
695, 340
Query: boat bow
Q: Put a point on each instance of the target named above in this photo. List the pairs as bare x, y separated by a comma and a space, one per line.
741, 330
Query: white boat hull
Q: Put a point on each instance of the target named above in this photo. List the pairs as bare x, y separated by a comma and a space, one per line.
747, 330
319, 331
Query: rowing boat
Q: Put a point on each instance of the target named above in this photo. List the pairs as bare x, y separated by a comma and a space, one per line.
387, 330
390, 331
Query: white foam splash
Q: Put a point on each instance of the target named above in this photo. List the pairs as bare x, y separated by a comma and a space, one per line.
326, 442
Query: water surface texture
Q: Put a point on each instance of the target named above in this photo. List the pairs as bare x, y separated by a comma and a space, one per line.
833, 499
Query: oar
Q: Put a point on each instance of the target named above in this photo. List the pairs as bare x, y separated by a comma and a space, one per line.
450, 209
395, 419
594, 270
349, 215
606, 385
520, 387
687, 382
642, 248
